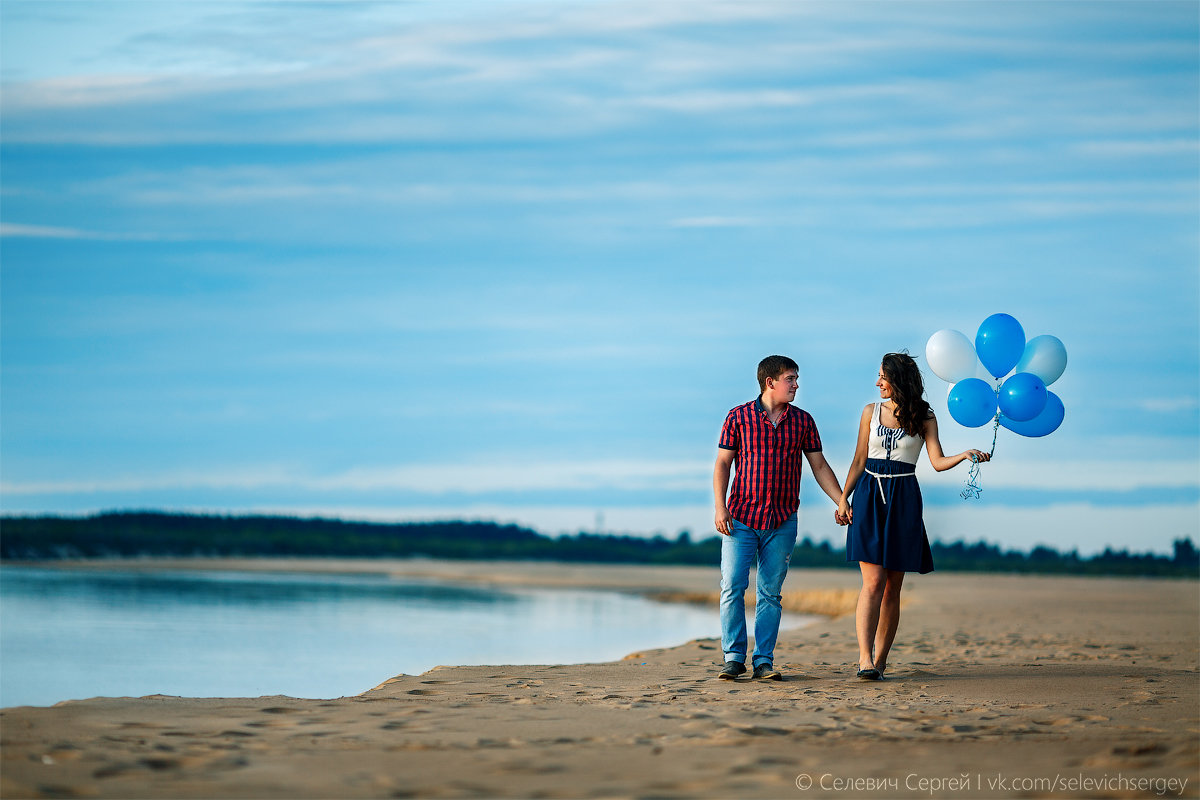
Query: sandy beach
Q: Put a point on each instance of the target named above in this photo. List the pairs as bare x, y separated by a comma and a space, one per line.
1000, 686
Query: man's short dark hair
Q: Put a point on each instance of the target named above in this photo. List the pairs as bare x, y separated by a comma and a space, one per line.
773, 367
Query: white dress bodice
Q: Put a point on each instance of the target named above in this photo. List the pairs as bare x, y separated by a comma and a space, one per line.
892, 444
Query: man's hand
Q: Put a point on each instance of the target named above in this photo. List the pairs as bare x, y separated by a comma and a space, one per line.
721, 470
722, 521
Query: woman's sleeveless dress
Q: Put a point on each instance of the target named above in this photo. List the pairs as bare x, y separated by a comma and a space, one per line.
888, 528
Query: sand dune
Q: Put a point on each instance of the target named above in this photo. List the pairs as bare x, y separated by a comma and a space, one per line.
1000, 686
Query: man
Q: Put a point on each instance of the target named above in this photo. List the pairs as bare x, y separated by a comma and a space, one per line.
765, 439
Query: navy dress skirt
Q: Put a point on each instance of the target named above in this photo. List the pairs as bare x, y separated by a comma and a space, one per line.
888, 528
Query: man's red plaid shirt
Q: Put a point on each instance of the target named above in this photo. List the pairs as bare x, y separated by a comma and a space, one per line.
767, 462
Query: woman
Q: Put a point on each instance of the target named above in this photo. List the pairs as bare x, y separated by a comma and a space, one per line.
887, 534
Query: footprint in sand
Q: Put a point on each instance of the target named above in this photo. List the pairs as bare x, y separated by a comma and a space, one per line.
314, 721
776, 761
1056, 721
114, 770
1143, 756
948, 730
532, 767
60, 753
158, 764
1142, 697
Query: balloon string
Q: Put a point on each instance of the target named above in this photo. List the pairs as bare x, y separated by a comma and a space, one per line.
973, 489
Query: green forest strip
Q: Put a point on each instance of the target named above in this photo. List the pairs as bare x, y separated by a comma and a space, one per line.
152, 534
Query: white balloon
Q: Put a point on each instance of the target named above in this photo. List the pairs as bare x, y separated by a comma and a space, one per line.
1044, 356
951, 355
985, 375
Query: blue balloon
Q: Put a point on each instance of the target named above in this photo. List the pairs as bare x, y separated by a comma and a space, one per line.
972, 403
1022, 397
1044, 423
1000, 343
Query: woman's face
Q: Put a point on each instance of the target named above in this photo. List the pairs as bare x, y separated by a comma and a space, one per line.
885, 386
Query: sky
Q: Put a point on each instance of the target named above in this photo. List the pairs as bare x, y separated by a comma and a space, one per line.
516, 260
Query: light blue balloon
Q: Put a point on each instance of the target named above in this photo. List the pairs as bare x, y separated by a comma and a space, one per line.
1044, 356
972, 403
1044, 423
1022, 397
1000, 343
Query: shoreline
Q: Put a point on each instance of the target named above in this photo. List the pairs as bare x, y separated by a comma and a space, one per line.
999, 683
666, 617
826, 592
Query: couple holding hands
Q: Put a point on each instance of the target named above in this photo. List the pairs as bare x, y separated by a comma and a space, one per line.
762, 443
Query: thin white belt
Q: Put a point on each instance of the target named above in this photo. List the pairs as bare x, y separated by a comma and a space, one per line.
879, 480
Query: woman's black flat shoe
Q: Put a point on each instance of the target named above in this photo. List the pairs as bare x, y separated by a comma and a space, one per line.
870, 675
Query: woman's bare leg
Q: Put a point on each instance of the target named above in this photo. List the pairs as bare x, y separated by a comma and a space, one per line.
866, 615
889, 618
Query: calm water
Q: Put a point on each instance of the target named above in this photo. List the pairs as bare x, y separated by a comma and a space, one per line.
70, 635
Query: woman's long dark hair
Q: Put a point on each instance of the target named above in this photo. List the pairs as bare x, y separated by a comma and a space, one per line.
908, 392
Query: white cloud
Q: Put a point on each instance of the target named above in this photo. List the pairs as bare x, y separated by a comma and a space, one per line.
1168, 405
17, 230
258, 477
517, 476
85, 91
1141, 147
188, 56
713, 222
1082, 474
425, 478
542, 70
605, 475
709, 101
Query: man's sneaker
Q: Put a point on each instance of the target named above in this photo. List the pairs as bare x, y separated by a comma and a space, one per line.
767, 672
731, 670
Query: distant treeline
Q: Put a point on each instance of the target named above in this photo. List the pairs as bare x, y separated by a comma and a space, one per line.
138, 534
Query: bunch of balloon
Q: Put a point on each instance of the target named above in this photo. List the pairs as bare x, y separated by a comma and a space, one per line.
980, 392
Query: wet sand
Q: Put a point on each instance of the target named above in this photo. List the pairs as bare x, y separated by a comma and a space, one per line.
999, 686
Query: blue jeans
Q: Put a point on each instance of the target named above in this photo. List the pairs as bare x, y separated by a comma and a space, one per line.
739, 550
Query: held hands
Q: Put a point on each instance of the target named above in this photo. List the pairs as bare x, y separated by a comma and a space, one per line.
844, 514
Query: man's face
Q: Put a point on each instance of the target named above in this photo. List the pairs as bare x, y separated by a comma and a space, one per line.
783, 389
